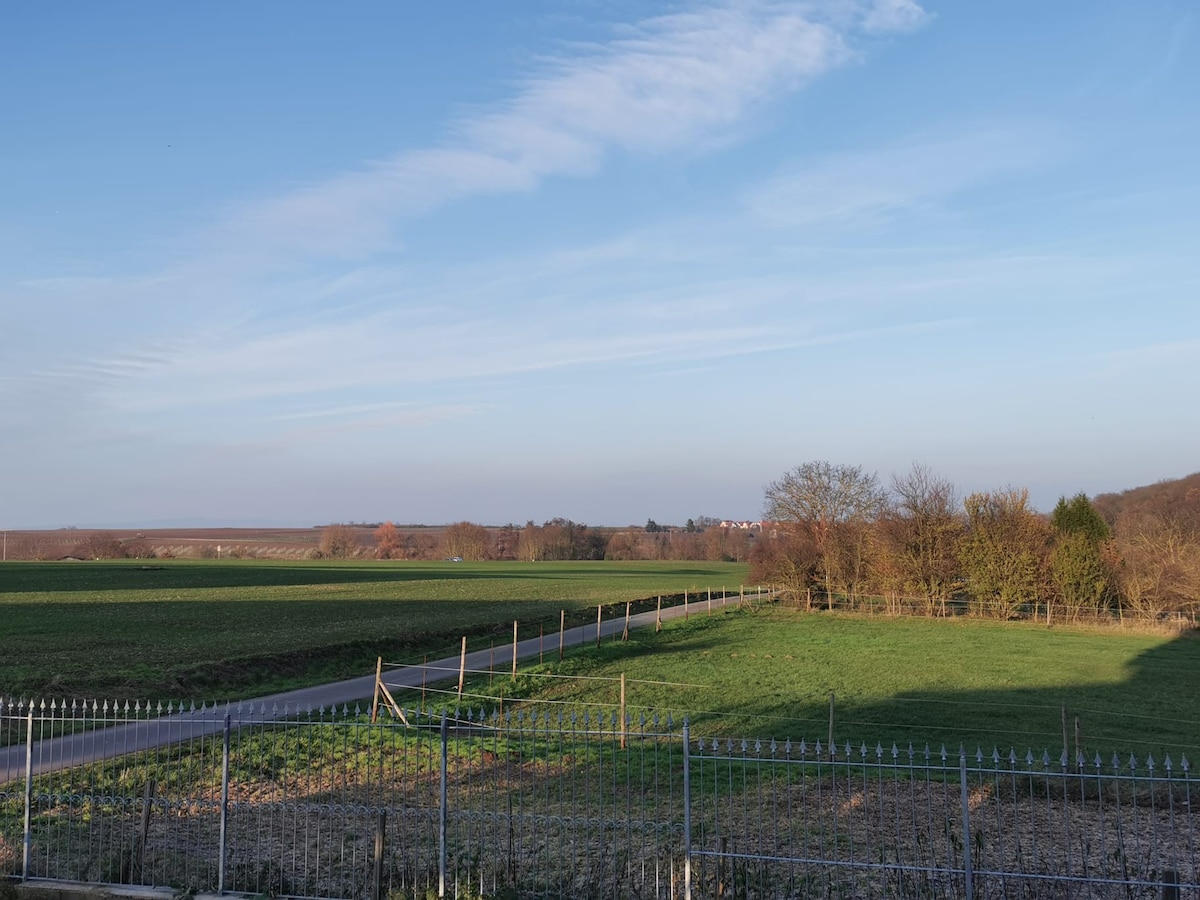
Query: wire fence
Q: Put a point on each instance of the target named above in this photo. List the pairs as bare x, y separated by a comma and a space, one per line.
527, 801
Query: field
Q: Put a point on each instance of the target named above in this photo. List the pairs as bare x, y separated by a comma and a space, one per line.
217, 630
769, 672
206, 629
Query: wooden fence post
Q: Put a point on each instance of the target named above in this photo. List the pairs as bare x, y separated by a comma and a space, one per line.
462, 666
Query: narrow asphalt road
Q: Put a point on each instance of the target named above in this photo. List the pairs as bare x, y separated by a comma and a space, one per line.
39, 757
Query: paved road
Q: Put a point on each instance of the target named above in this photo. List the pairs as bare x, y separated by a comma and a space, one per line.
54, 754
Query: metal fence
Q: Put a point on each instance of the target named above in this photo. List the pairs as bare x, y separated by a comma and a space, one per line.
520, 802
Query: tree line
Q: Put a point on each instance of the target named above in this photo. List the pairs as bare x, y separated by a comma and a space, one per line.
837, 532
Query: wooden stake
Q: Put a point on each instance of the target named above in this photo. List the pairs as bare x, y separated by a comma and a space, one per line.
462, 667
710, 601
541, 644
562, 632
685, 607
392, 704
658, 616
599, 610
625, 633
424, 675
514, 674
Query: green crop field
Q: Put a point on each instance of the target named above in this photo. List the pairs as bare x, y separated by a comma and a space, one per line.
769, 672
215, 630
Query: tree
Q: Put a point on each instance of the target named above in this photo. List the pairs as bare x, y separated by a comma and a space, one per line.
338, 542
1003, 553
1079, 516
919, 537
508, 540
788, 559
100, 545
1079, 573
831, 502
387, 542
531, 545
1078, 567
1159, 559
467, 541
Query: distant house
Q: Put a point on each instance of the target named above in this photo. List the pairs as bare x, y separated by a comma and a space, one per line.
743, 526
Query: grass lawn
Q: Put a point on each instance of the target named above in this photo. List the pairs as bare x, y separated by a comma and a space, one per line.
769, 672
214, 630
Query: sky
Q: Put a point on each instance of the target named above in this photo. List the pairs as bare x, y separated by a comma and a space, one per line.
290, 263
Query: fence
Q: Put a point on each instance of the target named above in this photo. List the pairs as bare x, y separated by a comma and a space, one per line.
565, 803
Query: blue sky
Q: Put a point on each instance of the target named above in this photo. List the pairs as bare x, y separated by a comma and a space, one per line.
291, 263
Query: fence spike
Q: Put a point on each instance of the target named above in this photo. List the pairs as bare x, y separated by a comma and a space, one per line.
1045, 759
758, 748
1183, 763
1132, 762
1097, 762
1116, 762
879, 750
995, 756
744, 746
979, 756
1167, 763
774, 747
817, 747
1150, 763
945, 755
1012, 756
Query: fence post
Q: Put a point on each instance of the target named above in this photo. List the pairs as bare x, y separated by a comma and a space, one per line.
27, 838
380, 827
687, 813
968, 869
224, 808
442, 811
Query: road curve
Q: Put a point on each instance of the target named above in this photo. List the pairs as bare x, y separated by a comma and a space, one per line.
55, 754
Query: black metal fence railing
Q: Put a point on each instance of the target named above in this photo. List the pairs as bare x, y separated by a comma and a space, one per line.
529, 803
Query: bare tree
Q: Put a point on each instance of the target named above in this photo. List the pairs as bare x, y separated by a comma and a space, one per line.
466, 540
919, 537
831, 502
531, 545
339, 542
387, 542
100, 545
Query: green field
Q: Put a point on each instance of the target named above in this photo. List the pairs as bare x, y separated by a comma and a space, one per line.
209, 630
214, 630
768, 672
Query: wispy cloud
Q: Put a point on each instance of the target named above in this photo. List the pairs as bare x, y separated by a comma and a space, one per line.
873, 186
661, 85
